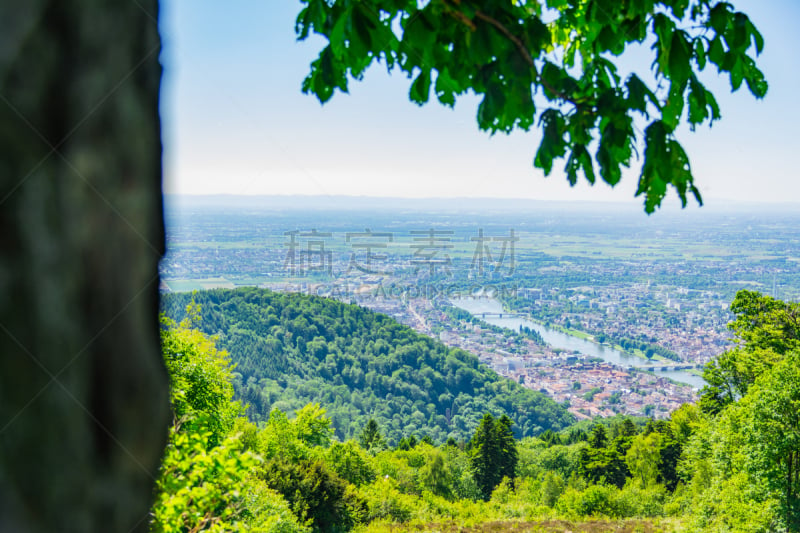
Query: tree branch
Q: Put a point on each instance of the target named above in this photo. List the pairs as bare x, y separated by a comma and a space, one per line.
523, 50
510, 36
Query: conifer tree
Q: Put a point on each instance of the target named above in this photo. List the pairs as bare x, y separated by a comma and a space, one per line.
494, 453
371, 438
509, 456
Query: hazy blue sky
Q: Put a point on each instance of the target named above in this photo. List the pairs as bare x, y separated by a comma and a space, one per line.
235, 121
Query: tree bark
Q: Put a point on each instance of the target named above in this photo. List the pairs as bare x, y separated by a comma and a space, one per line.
83, 390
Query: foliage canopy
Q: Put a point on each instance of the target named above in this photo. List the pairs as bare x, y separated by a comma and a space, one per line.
554, 64
734, 469
765, 331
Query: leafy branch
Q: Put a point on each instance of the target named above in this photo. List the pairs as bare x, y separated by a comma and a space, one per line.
502, 51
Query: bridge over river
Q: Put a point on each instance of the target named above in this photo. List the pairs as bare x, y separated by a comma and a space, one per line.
665, 368
499, 315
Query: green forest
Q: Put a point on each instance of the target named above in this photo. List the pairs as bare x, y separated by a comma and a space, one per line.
291, 349
729, 463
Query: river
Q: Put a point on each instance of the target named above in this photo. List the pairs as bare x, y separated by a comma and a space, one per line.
558, 339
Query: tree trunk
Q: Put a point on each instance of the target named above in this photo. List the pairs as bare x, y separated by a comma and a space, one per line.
83, 391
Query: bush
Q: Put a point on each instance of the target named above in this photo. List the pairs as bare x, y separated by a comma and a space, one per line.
201, 487
269, 511
595, 500
634, 501
735, 505
395, 466
386, 503
609, 501
316, 494
551, 489
351, 463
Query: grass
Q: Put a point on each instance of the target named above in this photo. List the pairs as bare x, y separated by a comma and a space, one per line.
580, 334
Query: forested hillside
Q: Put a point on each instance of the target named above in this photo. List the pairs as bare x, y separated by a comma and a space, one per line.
729, 464
292, 349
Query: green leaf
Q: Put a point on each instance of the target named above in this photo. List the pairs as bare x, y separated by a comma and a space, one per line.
663, 27
468, 10
607, 70
315, 84
639, 94
444, 88
739, 40
418, 40
719, 17
312, 16
571, 169
600, 12
490, 109
302, 25
672, 110
365, 27
551, 78
698, 111
537, 33
488, 43
712, 103
337, 37
700, 53
651, 183
609, 40
681, 176
420, 89
325, 77
716, 52
737, 72
758, 40
579, 160
679, 8
755, 78
556, 82
615, 148
679, 58
553, 144
586, 163
666, 163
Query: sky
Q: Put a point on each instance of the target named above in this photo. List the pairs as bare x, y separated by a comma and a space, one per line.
235, 121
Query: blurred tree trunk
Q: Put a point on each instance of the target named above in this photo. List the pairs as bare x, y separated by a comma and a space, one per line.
83, 391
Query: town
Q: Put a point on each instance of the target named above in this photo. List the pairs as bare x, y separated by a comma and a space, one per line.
655, 292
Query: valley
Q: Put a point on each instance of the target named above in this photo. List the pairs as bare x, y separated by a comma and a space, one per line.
645, 292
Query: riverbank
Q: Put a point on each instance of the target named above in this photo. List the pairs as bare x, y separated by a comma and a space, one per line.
590, 337
582, 343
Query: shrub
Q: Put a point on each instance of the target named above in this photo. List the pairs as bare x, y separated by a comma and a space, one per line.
316, 494
595, 500
386, 503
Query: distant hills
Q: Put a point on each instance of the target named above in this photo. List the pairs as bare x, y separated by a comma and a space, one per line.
482, 206
292, 349
376, 203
